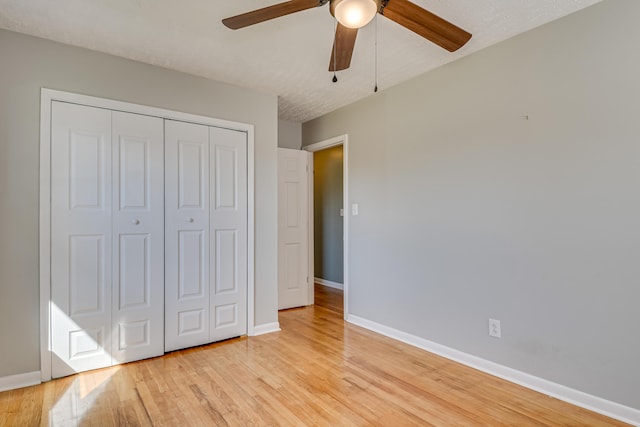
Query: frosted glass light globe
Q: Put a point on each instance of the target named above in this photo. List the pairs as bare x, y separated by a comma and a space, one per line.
355, 13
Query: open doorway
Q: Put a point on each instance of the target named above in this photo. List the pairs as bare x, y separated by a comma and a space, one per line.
328, 215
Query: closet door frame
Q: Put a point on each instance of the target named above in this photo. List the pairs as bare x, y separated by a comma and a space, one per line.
47, 96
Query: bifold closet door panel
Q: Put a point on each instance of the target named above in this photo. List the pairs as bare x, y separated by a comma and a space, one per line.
81, 269
107, 243
138, 237
187, 303
228, 157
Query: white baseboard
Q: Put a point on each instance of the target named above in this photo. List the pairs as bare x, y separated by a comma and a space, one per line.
329, 283
575, 397
20, 380
266, 328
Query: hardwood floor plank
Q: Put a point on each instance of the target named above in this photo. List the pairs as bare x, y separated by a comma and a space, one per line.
318, 371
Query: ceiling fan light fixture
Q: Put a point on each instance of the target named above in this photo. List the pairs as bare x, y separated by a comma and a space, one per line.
354, 13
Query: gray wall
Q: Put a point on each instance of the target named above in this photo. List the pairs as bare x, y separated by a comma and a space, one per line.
289, 134
327, 202
469, 210
30, 63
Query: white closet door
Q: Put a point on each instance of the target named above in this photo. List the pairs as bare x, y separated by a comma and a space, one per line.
80, 238
138, 237
187, 306
293, 248
228, 233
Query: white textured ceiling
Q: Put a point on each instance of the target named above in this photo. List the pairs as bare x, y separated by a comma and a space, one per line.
287, 56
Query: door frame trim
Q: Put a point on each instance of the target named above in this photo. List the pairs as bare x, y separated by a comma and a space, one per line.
47, 96
318, 146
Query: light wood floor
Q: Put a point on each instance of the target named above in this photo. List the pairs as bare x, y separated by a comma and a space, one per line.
318, 371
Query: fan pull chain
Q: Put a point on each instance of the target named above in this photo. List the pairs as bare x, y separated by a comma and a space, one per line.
375, 89
335, 42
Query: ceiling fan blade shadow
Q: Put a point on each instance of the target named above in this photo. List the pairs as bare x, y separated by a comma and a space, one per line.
426, 24
343, 45
270, 12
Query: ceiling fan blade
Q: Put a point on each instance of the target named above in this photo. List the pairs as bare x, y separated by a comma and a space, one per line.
422, 22
343, 45
270, 12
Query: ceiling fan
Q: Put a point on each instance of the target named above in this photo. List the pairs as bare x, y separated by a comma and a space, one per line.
354, 14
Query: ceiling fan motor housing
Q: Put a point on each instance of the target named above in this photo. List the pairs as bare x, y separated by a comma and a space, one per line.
333, 3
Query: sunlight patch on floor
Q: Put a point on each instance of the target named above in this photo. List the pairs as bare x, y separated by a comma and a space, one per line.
80, 397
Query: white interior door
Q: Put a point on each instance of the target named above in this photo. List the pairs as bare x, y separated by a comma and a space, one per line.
293, 260
81, 231
187, 308
138, 237
228, 240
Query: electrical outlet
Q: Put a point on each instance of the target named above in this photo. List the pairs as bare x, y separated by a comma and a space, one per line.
494, 328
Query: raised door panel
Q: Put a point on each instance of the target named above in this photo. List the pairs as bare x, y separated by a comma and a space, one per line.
192, 162
81, 267
228, 242
293, 271
86, 170
134, 170
187, 295
86, 274
138, 236
134, 272
191, 264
